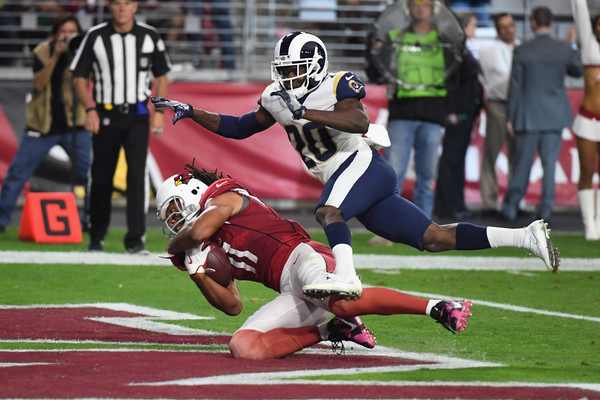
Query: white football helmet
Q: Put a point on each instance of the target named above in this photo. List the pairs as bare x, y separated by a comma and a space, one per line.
186, 192
300, 49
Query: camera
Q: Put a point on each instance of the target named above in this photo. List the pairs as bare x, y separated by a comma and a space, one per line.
74, 43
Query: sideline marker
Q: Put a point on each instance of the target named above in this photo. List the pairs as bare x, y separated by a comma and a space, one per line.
50, 218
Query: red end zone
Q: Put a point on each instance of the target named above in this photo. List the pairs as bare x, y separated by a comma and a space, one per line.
125, 373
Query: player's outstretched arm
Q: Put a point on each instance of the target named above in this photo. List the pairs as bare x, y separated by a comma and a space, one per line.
235, 127
181, 111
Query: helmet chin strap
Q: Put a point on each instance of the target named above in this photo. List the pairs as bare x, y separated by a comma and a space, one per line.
299, 92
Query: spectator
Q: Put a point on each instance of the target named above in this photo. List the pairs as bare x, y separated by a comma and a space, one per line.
538, 110
9, 20
218, 15
167, 16
279, 254
53, 118
417, 109
465, 100
587, 125
118, 114
495, 61
213, 27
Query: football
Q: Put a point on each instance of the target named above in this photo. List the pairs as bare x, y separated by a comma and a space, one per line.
217, 265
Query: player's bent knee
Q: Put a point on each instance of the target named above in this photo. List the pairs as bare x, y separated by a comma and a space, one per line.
326, 215
245, 344
439, 238
342, 307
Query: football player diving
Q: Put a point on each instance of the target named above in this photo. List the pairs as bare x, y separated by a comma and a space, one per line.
199, 206
325, 120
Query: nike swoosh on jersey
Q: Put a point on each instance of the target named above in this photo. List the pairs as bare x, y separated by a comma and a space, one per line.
349, 77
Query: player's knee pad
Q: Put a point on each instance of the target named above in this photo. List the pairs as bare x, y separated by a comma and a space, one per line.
312, 268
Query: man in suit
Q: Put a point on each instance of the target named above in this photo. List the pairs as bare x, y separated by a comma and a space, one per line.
538, 109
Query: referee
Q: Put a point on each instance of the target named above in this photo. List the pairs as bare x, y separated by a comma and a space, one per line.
122, 56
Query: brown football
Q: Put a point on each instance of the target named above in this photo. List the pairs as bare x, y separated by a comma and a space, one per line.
218, 266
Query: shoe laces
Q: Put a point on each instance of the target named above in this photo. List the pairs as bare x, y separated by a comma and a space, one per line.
349, 329
337, 347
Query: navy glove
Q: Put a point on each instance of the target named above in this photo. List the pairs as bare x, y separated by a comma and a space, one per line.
297, 109
181, 110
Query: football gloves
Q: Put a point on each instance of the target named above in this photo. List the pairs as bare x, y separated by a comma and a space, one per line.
377, 137
181, 110
297, 109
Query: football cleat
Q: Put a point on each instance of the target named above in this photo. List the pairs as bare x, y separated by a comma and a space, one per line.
351, 330
332, 286
452, 314
538, 242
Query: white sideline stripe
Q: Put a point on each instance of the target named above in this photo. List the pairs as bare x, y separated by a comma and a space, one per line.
533, 263
362, 261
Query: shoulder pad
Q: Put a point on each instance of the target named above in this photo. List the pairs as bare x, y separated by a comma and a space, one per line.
346, 84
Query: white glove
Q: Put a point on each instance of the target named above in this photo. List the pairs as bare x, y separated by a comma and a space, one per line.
195, 259
377, 137
297, 109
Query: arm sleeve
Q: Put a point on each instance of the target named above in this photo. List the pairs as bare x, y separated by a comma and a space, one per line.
37, 64
239, 127
161, 64
590, 48
513, 88
83, 61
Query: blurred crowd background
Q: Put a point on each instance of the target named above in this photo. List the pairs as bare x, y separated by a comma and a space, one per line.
233, 39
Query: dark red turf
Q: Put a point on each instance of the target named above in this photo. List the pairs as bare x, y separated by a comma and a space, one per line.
122, 374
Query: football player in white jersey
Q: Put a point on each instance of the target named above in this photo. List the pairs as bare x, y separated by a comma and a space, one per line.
325, 122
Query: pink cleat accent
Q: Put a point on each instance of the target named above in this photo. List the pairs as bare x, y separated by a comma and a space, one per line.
452, 314
352, 330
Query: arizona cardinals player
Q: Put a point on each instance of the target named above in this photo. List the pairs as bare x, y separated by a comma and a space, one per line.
278, 253
325, 121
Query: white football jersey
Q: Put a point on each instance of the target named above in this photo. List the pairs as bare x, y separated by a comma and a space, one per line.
323, 149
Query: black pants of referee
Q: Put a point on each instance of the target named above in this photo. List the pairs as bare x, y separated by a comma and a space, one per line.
130, 131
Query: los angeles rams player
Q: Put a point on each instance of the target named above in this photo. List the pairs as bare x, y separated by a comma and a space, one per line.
325, 121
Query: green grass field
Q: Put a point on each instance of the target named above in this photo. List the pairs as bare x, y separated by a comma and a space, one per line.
555, 339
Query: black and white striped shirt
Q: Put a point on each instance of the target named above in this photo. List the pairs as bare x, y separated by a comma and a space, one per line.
123, 64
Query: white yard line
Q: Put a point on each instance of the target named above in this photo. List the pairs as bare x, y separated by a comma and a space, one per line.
362, 261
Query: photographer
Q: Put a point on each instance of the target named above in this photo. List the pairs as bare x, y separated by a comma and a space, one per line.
53, 118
